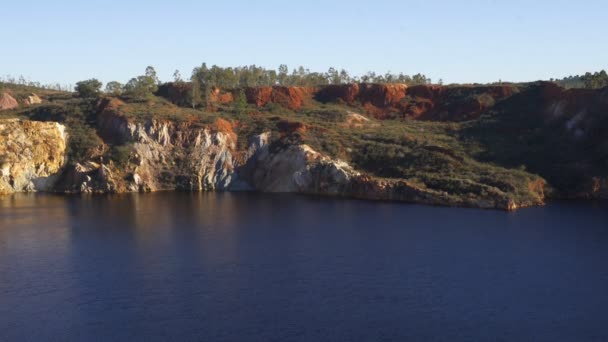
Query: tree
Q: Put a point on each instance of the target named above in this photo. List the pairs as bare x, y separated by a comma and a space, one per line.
240, 102
88, 88
151, 74
283, 74
595, 80
420, 79
177, 76
344, 77
208, 79
196, 91
143, 86
333, 76
114, 88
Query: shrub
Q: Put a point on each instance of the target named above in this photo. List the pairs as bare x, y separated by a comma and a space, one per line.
120, 154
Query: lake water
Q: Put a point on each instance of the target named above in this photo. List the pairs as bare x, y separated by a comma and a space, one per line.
251, 267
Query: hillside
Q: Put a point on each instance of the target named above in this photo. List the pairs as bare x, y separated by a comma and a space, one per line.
504, 146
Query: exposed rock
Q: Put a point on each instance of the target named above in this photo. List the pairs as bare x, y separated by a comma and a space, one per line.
31, 155
288, 97
87, 178
32, 99
599, 187
169, 156
425, 102
355, 120
298, 168
557, 133
7, 102
380, 96
221, 97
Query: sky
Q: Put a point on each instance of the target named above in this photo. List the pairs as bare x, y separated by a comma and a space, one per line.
456, 41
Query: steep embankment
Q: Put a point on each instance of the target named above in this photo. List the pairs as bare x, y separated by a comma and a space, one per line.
490, 147
382, 101
32, 155
557, 133
164, 155
422, 102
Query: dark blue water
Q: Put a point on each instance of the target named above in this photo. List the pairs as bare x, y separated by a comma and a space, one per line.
245, 267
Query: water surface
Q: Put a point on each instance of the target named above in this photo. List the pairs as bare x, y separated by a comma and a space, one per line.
251, 267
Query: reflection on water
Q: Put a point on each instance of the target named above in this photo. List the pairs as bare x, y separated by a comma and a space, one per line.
251, 267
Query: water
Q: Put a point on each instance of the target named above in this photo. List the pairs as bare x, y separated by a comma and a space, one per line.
247, 267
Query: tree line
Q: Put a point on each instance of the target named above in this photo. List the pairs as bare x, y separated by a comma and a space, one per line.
22, 81
205, 78
589, 80
255, 76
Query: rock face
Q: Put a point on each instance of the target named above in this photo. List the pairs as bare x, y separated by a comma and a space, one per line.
170, 156
557, 133
164, 155
288, 97
298, 168
382, 101
32, 154
32, 99
7, 102
89, 177
423, 102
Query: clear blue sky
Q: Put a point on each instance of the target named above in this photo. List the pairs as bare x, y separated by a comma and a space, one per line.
458, 41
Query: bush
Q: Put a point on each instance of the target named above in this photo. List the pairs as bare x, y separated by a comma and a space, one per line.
83, 141
121, 154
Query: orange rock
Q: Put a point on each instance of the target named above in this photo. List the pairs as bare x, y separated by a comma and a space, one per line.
7, 102
288, 97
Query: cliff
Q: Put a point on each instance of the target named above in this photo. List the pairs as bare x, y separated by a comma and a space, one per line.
554, 132
500, 147
382, 101
32, 155
166, 156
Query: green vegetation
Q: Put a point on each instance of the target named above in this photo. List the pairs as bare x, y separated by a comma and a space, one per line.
142, 86
88, 88
206, 78
497, 154
121, 154
589, 80
114, 88
254, 76
595, 80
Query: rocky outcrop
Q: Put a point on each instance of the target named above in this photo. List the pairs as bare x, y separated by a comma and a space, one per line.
298, 168
217, 95
382, 101
89, 177
164, 155
7, 102
288, 97
554, 132
599, 187
366, 187
423, 102
32, 99
32, 154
